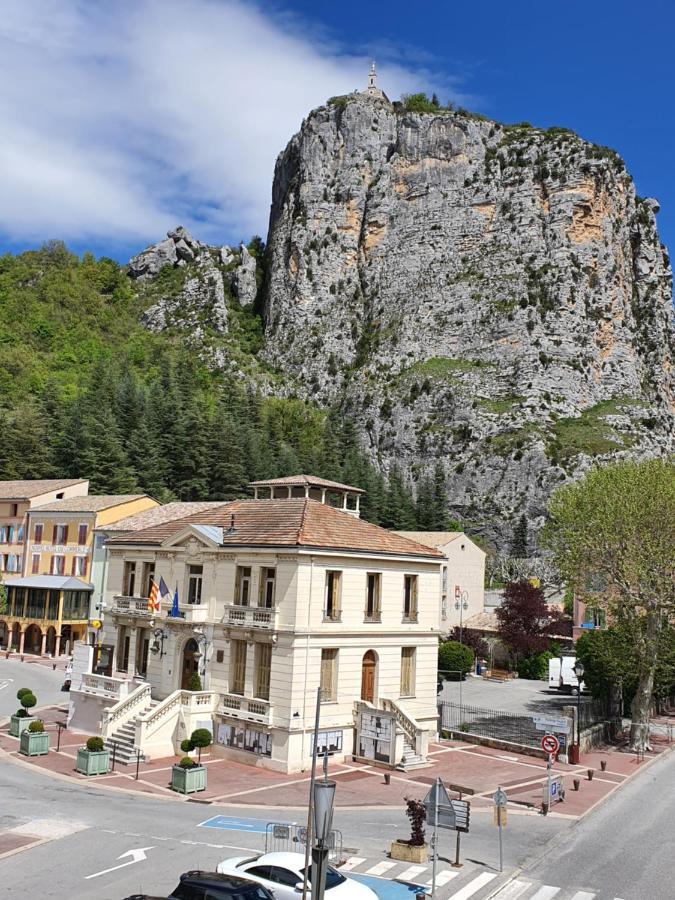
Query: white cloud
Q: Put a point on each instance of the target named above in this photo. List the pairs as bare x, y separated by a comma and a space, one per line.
119, 120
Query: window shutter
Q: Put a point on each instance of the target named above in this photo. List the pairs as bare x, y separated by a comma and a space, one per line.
55, 533
73, 566
85, 560
51, 566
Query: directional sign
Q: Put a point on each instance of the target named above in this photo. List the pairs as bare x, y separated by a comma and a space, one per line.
552, 723
446, 813
557, 790
462, 810
500, 798
549, 744
136, 856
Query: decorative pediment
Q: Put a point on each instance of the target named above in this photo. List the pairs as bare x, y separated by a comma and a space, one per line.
195, 539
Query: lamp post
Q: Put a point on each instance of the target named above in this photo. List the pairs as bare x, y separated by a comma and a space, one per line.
579, 672
157, 645
324, 797
461, 603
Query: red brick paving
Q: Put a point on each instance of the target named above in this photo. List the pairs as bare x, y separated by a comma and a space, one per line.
481, 769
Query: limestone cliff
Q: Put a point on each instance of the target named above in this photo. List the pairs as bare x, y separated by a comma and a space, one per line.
493, 297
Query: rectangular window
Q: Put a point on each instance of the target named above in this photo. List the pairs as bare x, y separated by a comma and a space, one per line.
267, 587
19, 534
60, 534
14, 509
263, 667
407, 671
35, 564
3, 534
242, 586
80, 566
237, 667
331, 609
39, 528
82, 532
10, 534
148, 575
328, 683
373, 597
129, 579
410, 598
195, 575
11, 562
58, 566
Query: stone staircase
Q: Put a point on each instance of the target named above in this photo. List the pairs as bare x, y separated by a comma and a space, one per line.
123, 739
410, 759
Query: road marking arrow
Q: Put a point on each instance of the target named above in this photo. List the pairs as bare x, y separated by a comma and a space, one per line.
136, 856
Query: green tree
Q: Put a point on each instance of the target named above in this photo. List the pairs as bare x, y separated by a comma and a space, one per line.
519, 542
613, 538
455, 657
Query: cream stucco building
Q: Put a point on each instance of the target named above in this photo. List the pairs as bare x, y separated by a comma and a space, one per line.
277, 598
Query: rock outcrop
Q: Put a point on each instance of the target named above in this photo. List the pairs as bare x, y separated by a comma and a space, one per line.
493, 297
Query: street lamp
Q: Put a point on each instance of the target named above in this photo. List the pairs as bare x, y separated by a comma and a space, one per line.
461, 603
324, 797
578, 670
157, 645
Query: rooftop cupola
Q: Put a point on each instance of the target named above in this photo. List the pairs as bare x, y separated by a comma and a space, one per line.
332, 493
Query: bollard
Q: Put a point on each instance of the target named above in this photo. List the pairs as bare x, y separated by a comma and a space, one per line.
53, 667
544, 809
387, 777
577, 783
589, 773
603, 765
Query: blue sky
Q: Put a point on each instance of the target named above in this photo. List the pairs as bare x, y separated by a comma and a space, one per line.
122, 120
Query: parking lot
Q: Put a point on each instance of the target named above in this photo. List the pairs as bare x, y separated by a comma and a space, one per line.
517, 696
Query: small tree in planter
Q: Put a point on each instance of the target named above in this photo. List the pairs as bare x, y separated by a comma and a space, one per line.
416, 849
194, 682
93, 758
189, 776
18, 722
35, 740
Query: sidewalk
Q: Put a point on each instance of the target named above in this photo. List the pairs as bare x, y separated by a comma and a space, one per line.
478, 770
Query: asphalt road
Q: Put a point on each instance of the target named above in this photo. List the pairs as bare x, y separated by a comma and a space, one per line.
93, 829
518, 696
626, 848
42, 680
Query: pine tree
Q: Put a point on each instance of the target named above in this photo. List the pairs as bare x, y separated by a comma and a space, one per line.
399, 510
519, 541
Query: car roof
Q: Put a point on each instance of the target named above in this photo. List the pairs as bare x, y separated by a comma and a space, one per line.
224, 879
283, 858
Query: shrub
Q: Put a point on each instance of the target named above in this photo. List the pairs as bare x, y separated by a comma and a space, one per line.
535, 667
186, 746
200, 738
95, 744
194, 682
36, 727
455, 657
187, 763
21, 692
20, 714
28, 701
416, 812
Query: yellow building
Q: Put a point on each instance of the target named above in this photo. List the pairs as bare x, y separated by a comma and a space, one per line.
16, 499
49, 609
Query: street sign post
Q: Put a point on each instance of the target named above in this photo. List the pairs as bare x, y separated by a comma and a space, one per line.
550, 744
558, 724
445, 813
500, 800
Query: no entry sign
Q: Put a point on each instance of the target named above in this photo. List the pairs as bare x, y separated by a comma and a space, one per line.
549, 744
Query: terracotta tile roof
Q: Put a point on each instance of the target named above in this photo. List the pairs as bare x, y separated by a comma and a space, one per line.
310, 480
24, 490
288, 523
89, 503
431, 538
158, 515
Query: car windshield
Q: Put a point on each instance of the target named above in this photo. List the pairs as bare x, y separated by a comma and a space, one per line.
333, 877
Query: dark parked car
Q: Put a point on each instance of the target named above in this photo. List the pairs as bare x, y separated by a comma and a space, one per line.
212, 886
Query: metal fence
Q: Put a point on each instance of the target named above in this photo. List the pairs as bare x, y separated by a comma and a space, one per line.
285, 836
499, 725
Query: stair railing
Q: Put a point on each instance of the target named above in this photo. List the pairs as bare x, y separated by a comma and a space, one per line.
117, 715
410, 727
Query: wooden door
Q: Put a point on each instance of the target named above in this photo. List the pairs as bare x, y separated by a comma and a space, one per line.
190, 664
368, 677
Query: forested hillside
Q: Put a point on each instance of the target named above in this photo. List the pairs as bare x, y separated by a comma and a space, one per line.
86, 390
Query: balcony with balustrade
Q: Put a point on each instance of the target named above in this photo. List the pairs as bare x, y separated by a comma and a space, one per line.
245, 708
250, 617
131, 607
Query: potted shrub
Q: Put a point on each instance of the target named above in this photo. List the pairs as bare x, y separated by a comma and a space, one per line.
414, 850
21, 719
188, 776
35, 740
92, 759
194, 682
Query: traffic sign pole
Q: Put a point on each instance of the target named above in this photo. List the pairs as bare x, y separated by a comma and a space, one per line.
433, 869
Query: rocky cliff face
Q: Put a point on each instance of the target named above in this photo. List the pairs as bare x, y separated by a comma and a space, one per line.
492, 297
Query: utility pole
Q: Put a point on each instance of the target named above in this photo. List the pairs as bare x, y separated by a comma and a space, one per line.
308, 842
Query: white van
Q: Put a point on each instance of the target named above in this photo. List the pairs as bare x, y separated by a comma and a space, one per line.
561, 675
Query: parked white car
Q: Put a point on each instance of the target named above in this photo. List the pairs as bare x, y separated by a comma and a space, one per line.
282, 873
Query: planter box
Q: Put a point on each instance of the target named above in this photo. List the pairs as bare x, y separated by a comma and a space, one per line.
34, 744
188, 781
407, 853
92, 763
17, 724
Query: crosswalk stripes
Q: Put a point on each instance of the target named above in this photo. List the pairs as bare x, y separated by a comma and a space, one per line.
380, 868
546, 892
411, 873
443, 877
474, 886
582, 895
351, 863
514, 889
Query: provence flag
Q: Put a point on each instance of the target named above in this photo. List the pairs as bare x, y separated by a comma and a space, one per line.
175, 612
154, 603
164, 589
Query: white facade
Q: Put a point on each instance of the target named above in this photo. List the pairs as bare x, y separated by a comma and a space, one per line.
265, 624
